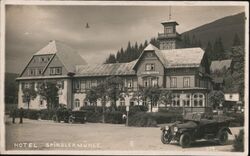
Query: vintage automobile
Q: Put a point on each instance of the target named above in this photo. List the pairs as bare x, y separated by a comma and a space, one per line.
68, 116
193, 128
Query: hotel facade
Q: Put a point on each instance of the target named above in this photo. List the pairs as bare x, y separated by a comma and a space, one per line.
183, 71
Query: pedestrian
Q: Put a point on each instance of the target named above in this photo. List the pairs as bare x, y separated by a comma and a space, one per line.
21, 115
14, 114
124, 117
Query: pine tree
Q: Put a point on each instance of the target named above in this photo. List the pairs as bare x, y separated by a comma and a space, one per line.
236, 40
218, 50
111, 59
209, 52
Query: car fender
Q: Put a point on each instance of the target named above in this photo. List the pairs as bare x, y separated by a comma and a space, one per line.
226, 129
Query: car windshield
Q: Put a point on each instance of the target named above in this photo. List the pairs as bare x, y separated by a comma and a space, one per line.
193, 116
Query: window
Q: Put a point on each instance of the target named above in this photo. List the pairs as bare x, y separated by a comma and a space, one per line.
88, 84
94, 83
173, 82
130, 83
150, 81
198, 99
150, 67
26, 85
144, 102
77, 103
55, 70
186, 101
83, 85
41, 102
122, 102
168, 30
186, 82
131, 102
176, 100
31, 72
230, 96
145, 83
39, 71
60, 84
77, 85
154, 82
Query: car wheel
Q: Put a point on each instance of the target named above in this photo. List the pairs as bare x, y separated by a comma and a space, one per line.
165, 139
71, 120
185, 140
222, 137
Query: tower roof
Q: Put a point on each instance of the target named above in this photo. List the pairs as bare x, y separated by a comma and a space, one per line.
168, 22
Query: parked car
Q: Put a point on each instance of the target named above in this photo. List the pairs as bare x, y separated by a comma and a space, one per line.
193, 128
77, 116
69, 116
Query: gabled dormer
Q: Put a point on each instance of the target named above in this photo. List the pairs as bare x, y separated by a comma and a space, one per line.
56, 58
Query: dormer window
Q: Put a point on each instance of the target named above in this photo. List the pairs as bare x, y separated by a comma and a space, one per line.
150, 67
55, 70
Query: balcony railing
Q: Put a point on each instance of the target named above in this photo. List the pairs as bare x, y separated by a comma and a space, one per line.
165, 35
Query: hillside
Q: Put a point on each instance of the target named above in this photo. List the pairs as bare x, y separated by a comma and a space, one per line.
225, 28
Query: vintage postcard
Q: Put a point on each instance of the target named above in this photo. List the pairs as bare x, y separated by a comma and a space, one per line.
124, 77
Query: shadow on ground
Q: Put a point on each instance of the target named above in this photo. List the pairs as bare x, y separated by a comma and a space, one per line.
205, 144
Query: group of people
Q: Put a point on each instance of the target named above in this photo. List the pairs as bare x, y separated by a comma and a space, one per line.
15, 114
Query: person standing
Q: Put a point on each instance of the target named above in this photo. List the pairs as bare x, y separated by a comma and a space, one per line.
14, 114
21, 115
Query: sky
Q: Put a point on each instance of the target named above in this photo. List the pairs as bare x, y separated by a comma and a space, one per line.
30, 28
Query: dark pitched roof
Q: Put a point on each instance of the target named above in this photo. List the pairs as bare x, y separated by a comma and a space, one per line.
105, 69
177, 58
220, 65
67, 55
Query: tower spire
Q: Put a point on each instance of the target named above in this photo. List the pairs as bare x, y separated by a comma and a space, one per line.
169, 18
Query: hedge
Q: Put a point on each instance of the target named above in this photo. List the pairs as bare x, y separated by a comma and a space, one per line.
238, 143
142, 119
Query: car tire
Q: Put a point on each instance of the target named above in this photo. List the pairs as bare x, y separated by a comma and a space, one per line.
164, 140
222, 137
185, 140
70, 120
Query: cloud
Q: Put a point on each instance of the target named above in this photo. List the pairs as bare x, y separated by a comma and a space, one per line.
29, 28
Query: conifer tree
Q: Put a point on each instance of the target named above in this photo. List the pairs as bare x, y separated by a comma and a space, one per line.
236, 40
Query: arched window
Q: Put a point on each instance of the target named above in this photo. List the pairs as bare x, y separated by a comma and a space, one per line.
176, 100
199, 99
122, 102
77, 103
187, 101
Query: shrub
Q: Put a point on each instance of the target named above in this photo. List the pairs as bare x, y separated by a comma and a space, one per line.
33, 114
94, 117
46, 114
238, 119
162, 118
114, 117
238, 143
142, 119
62, 114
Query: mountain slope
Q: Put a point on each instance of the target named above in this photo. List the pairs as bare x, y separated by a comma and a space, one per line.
225, 28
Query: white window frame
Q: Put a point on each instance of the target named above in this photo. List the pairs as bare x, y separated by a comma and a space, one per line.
186, 82
173, 82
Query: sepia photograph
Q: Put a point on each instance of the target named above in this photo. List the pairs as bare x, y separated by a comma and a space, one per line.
124, 77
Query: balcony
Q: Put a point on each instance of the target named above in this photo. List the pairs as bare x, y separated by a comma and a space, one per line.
165, 35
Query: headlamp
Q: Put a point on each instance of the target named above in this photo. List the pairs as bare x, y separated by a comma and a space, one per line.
175, 129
